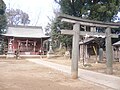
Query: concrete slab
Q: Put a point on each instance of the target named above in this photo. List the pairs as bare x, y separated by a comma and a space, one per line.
98, 78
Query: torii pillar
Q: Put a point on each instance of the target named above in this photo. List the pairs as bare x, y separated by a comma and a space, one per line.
75, 50
109, 52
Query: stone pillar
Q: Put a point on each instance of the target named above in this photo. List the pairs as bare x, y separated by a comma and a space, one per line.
100, 54
50, 53
86, 54
109, 53
75, 51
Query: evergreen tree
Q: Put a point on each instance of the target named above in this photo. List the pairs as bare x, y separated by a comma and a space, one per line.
3, 21
3, 24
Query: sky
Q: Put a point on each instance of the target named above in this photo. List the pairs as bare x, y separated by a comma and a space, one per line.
38, 10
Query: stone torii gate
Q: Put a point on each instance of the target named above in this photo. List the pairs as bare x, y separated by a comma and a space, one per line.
76, 32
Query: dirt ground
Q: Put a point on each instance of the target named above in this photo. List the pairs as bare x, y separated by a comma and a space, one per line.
24, 75
91, 65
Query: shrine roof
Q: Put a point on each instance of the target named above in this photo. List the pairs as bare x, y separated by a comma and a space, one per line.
117, 43
86, 41
25, 32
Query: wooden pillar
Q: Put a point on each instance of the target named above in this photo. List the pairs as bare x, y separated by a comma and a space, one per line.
13, 44
93, 29
81, 52
34, 46
19, 43
27, 44
75, 51
109, 53
95, 51
86, 54
41, 46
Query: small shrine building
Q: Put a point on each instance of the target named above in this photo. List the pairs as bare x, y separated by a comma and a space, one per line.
117, 50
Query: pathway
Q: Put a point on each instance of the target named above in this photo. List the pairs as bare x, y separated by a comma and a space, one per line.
96, 78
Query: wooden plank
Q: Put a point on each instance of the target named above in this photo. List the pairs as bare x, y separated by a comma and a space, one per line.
89, 23
85, 33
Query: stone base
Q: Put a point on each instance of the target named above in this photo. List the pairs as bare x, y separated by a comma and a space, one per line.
74, 75
10, 56
67, 55
50, 55
109, 70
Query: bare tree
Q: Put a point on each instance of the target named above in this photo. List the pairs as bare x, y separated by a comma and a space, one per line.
16, 17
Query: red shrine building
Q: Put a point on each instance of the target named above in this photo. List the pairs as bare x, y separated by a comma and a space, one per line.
28, 40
